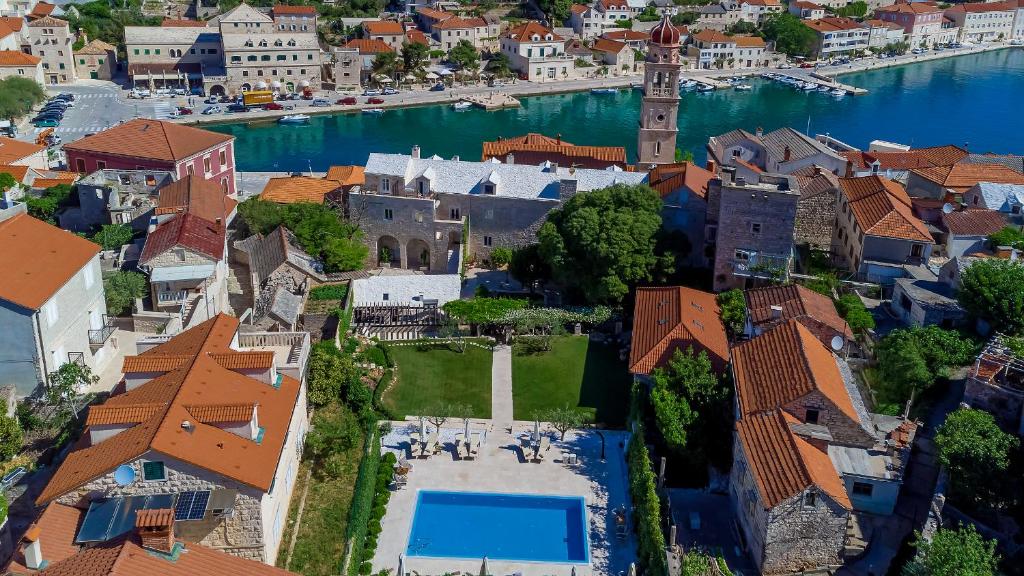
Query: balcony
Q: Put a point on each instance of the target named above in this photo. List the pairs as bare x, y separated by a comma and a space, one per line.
172, 297
98, 336
291, 349
758, 265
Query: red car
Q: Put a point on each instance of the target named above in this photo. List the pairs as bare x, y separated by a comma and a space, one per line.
184, 111
347, 101
273, 106
374, 100
807, 65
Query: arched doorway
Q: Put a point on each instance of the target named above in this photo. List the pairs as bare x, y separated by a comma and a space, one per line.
417, 255
289, 86
245, 87
217, 90
388, 251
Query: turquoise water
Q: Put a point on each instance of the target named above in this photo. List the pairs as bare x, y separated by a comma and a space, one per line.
499, 526
972, 100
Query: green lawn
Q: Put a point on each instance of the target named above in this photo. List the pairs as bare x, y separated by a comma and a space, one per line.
576, 372
440, 375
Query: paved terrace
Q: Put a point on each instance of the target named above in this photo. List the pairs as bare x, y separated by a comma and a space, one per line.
500, 468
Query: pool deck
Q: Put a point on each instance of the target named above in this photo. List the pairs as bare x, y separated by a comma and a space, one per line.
500, 468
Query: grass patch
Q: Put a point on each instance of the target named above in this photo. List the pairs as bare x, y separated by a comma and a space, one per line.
583, 374
320, 546
329, 292
438, 375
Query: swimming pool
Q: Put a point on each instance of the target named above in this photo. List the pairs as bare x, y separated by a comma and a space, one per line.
500, 526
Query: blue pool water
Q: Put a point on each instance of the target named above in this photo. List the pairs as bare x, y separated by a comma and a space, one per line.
499, 526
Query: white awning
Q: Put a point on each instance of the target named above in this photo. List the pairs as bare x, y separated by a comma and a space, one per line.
275, 84
261, 85
171, 274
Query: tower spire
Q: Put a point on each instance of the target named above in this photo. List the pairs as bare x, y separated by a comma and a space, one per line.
656, 141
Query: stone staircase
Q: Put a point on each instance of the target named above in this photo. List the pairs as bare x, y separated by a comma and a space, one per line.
858, 535
239, 288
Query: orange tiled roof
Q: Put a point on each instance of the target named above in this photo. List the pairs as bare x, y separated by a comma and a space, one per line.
165, 363
286, 9
797, 302
962, 176
831, 24
580, 9
217, 413
16, 172
667, 178
12, 150
783, 365
910, 8
673, 318
43, 183
534, 142
38, 259
984, 7
974, 222
292, 189
47, 22
368, 46
610, 46
57, 526
188, 231
96, 47
17, 58
383, 27
459, 23
121, 414
627, 35
197, 196
151, 139
257, 359
347, 175
914, 158
525, 31
43, 9
202, 381
417, 37
154, 518
713, 36
433, 14
782, 463
881, 207
749, 41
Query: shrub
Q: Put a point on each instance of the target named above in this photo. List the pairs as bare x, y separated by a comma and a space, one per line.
851, 307
329, 292
365, 569
10, 437
646, 505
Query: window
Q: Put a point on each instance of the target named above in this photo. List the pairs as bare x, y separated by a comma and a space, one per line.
742, 256
80, 164
385, 185
755, 227
455, 214
82, 62
153, 471
156, 51
811, 416
389, 214
146, 51
206, 164
223, 158
190, 170
488, 188
488, 240
101, 165
136, 51
385, 296
917, 250
863, 489
810, 500
1015, 210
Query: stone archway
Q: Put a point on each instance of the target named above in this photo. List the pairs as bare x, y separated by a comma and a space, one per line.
245, 87
389, 251
289, 87
217, 90
417, 254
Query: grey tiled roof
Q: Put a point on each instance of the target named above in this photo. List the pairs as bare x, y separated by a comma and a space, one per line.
800, 145
1011, 161
169, 35
285, 306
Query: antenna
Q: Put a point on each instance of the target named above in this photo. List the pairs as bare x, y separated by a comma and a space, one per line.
837, 343
124, 475
948, 208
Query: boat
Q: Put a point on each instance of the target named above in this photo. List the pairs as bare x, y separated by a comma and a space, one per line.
688, 84
373, 110
294, 119
604, 90
743, 87
463, 105
809, 86
837, 92
824, 88
705, 88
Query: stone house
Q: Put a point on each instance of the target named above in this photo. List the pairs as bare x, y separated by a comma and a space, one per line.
347, 67
96, 60
481, 32
717, 17
415, 211
985, 22
876, 232
20, 153
534, 148
1008, 199
716, 50
782, 151
211, 422
835, 36
389, 32
17, 63
895, 165
116, 197
638, 40
920, 302
750, 229
806, 10
950, 182
55, 313
967, 230
921, 21
537, 53
770, 306
175, 56
995, 384
619, 57
816, 211
683, 189
50, 39
666, 319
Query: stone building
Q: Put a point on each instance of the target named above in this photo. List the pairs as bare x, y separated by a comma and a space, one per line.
751, 229
116, 197
683, 188
656, 140
211, 423
995, 384
175, 56
260, 56
537, 53
782, 151
816, 210
50, 39
17, 63
667, 319
415, 211
346, 65
96, 60
534, 148
770, 306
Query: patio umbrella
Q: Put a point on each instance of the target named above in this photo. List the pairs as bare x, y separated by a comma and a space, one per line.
401, 565
423, 430
536, 430
467, 431
432, 76
483, 569
632, 569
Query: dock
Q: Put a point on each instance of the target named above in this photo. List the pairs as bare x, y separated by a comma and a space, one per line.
492, 101
820, 80
712, 82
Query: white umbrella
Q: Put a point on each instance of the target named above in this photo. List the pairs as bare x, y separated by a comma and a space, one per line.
632, 569
275, 85
401, 565
536, 430
483, 569
423, 430
304, 83
261, 85
432, 76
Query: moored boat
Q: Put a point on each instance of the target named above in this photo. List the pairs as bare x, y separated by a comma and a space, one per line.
294, 119
604, 90
463, 105
373, 111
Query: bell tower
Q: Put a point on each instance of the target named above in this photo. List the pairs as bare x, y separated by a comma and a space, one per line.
656, 141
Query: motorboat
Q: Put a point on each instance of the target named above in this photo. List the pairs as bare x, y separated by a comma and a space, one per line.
743, 87
688, 84
808, 86
705, 88
294, 119
824, 88
604, 90
463, 105
373, 110
839, 92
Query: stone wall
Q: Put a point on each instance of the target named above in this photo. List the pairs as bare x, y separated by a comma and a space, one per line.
801, 537
1004, 403
816, 220
747, 505
241, 534
844, 430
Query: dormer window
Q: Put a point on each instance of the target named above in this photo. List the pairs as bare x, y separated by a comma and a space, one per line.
263, 43
291, 42
547, 37
535, 38
810, 500
278, 43
489, 189
248, 43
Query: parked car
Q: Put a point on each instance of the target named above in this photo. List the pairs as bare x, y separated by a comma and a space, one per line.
371, 92
184, 110
55, 106
163, 92
319, 102
48, 114
294, 96
273, 106
65, 103
225, 99
236, 108
211, 110
347, 101
389, 91
65, 96
211, 100
48, 123
180, 92
374, 100
439, 87
198, 92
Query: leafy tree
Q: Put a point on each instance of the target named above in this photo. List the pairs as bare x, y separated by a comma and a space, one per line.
18, 95
319, 230
649, 14
682, 156
626, 24
855, 9
684, 18
790, 34
742, 27
414, 56
563, 419
911, 359
1008, 236
557, 11
501, 256
121, 288
386, 63
45, 206
329, 372
993, 290
602, 241
500, 65
977, 454
954, 552
732, 307
528, 266
333, 431
10, 437
113, 236
482, 310
340, 253
465, 56
7, 181
442, 412
825, 283
851, 307
62, 389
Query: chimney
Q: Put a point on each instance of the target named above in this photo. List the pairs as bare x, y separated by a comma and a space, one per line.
711, 166
776, 312
416, 151
32, 551
155, 529
455, 158
817, 170
510, 159
849, 168
786, 154
554, 167
759, 132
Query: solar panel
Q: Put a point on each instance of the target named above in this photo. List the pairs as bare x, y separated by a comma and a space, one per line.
97, 520
124, 520
191, 505
157, 501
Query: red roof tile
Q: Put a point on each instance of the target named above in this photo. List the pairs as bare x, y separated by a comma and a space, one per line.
797, 302
974, 222
558, 150
285, 9
525, 32
185, 231
368, 46
151, 139
197, 196
38, 260
667, 178
882, 208
961, 177
675, 318
383, 28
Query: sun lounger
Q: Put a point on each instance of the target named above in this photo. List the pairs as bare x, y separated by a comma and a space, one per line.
474, 446
545, 444
528, 451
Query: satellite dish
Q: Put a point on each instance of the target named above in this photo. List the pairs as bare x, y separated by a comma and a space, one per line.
124, 475
837, 343
947, 208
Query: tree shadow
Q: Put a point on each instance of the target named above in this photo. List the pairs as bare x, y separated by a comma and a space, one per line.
605, 384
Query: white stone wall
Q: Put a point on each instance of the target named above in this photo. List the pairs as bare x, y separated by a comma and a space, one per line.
274, 505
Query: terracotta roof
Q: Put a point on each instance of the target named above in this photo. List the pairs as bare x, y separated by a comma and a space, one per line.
910, 8
96, 48
914, 158
434, 14
16, 172
763, 2
151, 139
674, 318
582, 9
832, 24
285, 9
347, 175
42, 183
11, 24
974, 222
383, 27
459, 23
165, 363
185, 231
12, 150
47, 22
539, 143
610, 46
782, 463
961, 176
783, 365
43, 9
154, 518
814, 180
881, 207
984, 7
708, 35
368, 46
197, 196
749, 41
614, 4
417, 37
173, 23
805, 5
121, 414
627, 35
292, 189
200, 382
256, 359
797, 302
38, 259
217, 413
17, 58
57, 525
525, 31
667, 178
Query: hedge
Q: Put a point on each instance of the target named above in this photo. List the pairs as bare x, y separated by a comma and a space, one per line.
646, 504
362, 503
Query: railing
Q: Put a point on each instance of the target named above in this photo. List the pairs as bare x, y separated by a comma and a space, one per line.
172, 297
762, 266
99, 336
296, 342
